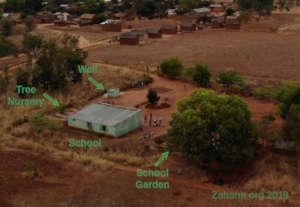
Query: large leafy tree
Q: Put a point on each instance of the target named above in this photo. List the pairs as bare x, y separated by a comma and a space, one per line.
212, 128
26, 6
200, 74
56, 61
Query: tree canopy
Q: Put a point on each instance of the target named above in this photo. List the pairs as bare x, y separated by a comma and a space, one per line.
289, 105
211, 127
172, 67
56, 61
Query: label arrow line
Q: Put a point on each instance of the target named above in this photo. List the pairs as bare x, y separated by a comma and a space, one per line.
163, 157
98, 85
52, 100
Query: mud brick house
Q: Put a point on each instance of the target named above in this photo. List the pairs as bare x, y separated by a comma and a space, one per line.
154, 33
106, 119
232, 24
188, 27
130, 38
168, 29
112, 27
218, 22
86, 19
217, 8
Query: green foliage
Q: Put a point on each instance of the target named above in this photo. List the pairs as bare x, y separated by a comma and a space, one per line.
181, 11
147, 79
265, 93
98, 18
62, 108
245, 15
172, 67
201, 74
229, 12
289, 98
6, 27
188, 5
229, 79
56, 63
32, 44
147, 9
30, 24
7, 47
40, 122
96, 6
211, 127
205, 19
234, 83
289, 105
265, 127
26, 6
4, 81
23, 78
152, 96
262, 7
30, 170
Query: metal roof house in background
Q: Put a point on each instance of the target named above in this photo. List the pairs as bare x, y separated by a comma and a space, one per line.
130, 38
106, 119
168, 29
154, 33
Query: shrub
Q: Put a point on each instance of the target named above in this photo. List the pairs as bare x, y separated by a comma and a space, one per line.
205, 19
245, 15
7, 47
6, 28
228, 79
289, 98
229, 11
4, 81
41, 122
211, 127
152, 96
234, 82
147, 79
98, 18
181, 11
30, 170
30, 24
289, 105
201, 74
172, 67
265, 93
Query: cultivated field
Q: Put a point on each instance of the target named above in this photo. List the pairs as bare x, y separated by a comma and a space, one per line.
268, 56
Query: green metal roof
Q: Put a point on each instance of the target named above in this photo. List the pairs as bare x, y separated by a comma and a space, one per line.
104, 114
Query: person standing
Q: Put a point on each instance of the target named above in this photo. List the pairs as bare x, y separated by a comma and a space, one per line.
160, 121
150, 120
145, 119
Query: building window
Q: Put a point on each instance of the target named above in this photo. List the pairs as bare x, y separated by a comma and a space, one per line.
103, 128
